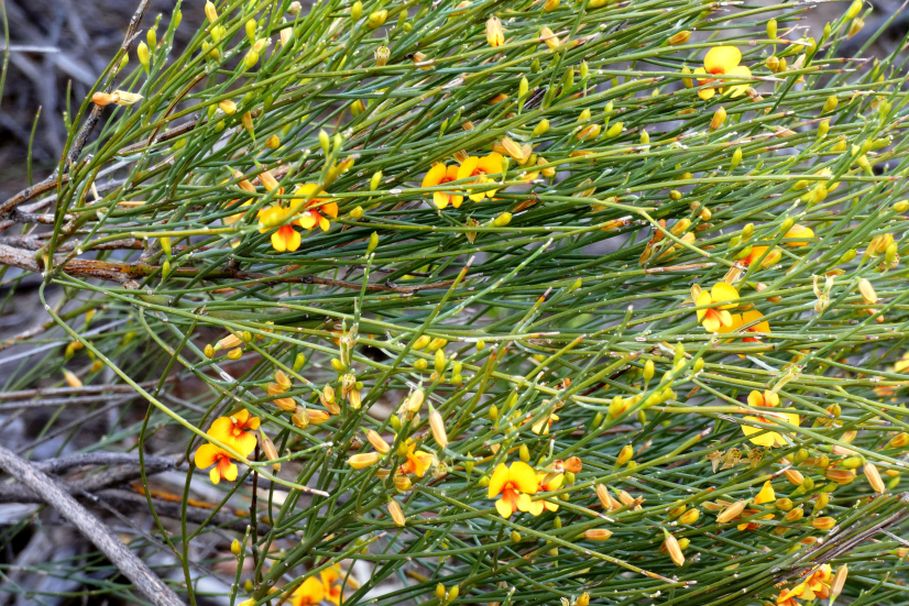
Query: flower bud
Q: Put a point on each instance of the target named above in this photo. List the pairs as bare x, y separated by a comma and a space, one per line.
718, 119
396, 513
143, 55
362, 460
597, 534
673, 548
679, 37
874, 478
437, 427
495, 33
211, 13
731, 512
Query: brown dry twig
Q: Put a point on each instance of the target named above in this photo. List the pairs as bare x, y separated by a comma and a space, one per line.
146, 581
124, 272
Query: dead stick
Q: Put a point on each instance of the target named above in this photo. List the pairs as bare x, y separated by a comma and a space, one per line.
125, 560
122, 272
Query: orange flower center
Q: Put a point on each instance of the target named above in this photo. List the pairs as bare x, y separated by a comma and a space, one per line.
223, 463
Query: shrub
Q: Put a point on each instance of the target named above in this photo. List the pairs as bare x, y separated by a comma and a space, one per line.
536, 303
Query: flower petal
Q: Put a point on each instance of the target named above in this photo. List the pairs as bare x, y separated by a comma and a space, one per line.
723, 292
497, 481
523, 476
740, 72
721, 59
205, 455
504, 508
435, 174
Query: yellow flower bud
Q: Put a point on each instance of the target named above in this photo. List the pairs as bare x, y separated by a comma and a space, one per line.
397, 513
363, 460
824, 523
211, 13
718, 119
772, 29
228, 107
541, 128
679, 37
597, 534
731, 512
143, 55
874, 478
382, 54
495, 33
437, 427
673, 548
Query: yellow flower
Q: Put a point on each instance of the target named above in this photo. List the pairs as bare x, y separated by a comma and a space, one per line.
495, 33
762, 437
542, 425
477, 168
549, 481
224, 467
798, 235
437, 175
309, 593
284, 238
902, 364
417, 462
714, 305
752, 319
815, 586
515, 484
315, 211
766, 255
766, 494
237, 430
331, 586
722, 61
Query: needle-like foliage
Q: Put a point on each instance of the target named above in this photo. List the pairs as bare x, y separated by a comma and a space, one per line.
679, 300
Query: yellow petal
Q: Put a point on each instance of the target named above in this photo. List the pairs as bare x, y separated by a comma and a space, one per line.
467, 167
523, 476
214, 475
504, 508
440, 199
755, 398
740, 72
230, 474
725, 318
277, 241
497, 481
494, 162
706, 93
307, 221
767, 439
723, 292
329, 209
205, 455
292, 240
434, 175
766, 494
721, 59
703, 300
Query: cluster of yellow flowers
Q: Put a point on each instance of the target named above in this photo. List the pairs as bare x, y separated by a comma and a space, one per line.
514, 485
476, 173
818, 584
237, 431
